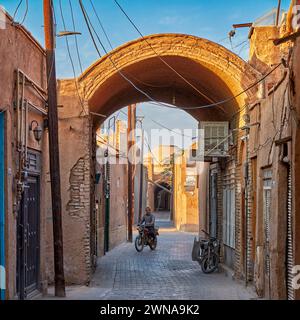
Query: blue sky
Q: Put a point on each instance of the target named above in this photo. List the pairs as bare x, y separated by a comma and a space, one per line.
208, 19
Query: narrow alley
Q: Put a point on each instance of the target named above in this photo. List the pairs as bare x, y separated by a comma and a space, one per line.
111, 128
164, 274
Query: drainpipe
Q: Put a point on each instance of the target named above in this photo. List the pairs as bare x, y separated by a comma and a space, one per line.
248, 201
107, 200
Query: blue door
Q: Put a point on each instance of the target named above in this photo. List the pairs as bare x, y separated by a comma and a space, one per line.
2, 212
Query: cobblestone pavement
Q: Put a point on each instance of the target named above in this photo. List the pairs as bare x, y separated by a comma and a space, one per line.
167, 273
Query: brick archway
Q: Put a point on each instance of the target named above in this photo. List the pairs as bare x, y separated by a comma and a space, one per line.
217, 72
214, 70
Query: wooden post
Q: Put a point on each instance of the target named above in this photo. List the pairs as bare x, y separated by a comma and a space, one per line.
54, 150
141, 177
130, 144
278, 13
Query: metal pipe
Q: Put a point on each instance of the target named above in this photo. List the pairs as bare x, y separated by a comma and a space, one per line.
36, 108
21, 138
26, 133
32, 82
21, 111
18, 108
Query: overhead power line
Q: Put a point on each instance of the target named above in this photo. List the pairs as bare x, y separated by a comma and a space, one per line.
75, 36
89, 26
17, 10
152, 100
159, 56
71, 59
163, 126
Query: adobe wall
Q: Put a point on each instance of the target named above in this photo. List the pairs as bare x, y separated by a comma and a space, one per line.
18, 50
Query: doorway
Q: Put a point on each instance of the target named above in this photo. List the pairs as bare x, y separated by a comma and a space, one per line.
28, 235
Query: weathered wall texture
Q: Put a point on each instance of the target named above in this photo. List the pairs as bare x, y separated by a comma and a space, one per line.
75, 140
272, 114
18, 50
296, 156
118, 205
273, 146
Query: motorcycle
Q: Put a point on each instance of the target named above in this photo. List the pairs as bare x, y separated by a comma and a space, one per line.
145, 239
206, 253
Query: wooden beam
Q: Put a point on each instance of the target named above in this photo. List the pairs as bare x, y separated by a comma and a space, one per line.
290, 37
243, 25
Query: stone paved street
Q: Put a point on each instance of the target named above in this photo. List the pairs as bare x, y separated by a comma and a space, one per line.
167, 273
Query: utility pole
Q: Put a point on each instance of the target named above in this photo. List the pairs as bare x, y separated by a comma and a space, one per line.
141, 172
130, 144
54, 150
278, 13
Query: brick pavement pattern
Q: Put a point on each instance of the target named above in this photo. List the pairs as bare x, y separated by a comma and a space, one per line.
164, 274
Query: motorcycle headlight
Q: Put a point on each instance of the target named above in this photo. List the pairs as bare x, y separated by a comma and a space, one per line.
216, 244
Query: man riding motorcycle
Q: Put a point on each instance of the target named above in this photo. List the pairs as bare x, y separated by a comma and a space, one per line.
149, 221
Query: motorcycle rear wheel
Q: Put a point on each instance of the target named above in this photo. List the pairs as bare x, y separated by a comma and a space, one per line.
139, 244
210, 264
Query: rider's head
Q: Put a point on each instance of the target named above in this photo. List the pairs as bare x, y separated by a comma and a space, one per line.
148, 210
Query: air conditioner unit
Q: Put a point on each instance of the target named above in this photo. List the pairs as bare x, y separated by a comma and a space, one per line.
216, 138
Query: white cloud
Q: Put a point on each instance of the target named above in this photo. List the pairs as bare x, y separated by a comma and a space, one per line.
171, 20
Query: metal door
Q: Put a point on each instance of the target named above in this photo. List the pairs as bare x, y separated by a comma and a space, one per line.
290, 239
2, 211
28, 245
267, 217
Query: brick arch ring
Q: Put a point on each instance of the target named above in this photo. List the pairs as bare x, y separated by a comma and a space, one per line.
225, 65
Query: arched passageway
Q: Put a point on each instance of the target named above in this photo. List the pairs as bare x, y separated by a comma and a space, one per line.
205, 73
162, 198
213, 72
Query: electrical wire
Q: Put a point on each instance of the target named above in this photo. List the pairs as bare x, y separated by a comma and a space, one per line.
159, 57
75, 36
26, 12
88, 22
152, 100
71, 59
150, 150
111, 146
17, 10
162, 126
112, 48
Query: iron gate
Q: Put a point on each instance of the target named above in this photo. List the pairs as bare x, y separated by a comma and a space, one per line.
28, 231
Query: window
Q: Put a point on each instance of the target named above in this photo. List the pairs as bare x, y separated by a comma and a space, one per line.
215, 138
